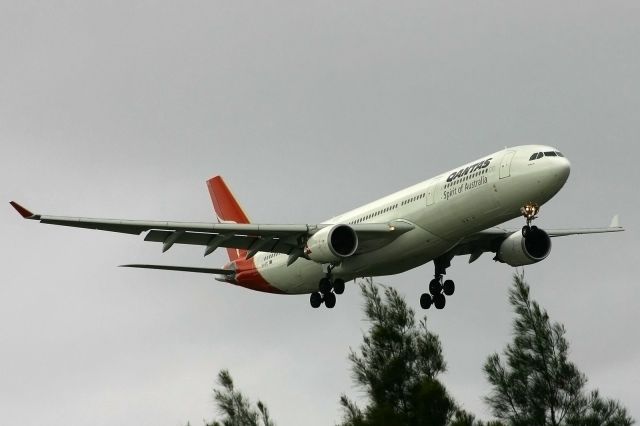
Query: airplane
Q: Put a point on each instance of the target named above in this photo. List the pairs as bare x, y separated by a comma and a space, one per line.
453, 214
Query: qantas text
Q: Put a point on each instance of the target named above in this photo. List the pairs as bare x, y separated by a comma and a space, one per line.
472, 168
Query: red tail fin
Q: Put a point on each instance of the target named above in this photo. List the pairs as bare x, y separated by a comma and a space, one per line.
227, 209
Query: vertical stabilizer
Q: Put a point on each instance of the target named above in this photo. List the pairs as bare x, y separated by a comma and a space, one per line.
227, 209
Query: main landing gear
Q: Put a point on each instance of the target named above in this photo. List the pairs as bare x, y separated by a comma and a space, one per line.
529, 211
328, 287
438, 287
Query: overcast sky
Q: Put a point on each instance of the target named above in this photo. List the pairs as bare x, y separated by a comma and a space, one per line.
123, 109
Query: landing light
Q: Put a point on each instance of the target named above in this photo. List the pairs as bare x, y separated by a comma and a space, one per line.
530, 210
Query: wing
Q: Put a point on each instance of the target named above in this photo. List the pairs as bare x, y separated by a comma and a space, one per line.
183, 269
613, 227
287, 239
490, 239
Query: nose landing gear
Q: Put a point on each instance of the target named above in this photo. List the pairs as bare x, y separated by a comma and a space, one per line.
530, 212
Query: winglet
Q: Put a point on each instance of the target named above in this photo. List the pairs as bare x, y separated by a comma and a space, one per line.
615, 222
23, 212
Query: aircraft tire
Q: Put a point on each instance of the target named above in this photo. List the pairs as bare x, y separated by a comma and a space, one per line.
324, 286
448, 287
315, 300
435, 287
425, 301
338, 286
525, 230
439, 301
330, 300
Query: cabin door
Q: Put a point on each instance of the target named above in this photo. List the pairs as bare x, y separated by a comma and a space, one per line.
505, 165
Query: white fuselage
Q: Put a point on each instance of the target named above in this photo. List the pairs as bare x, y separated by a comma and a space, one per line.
444, 209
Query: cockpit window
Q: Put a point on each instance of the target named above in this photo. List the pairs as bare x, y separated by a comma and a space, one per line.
539, 155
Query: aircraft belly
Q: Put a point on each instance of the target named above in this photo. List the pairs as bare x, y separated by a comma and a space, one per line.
408, 251
412, 249
298, 278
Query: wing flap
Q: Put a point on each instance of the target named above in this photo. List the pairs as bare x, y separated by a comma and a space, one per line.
242, 242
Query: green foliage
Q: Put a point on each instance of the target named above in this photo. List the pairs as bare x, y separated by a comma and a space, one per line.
463, 418
398, 363
397, 366
539, 385
236, 408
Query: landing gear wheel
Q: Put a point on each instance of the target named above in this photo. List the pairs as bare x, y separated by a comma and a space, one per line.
425, 301
316, 300
324, 286
525, 230
448, 287
435, 287
439, 301
338, 286
330, 300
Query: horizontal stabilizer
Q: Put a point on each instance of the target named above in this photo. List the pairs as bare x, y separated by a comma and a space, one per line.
183, 269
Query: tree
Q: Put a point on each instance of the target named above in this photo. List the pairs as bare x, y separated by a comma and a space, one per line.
539, 385
236, 408
397, 367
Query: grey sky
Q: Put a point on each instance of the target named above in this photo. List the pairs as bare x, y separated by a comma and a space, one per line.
124, 109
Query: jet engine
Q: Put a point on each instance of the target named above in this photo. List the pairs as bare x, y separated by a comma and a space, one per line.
517, 250
332, 243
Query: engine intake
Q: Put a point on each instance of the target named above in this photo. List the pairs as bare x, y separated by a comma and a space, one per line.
517, 250
332, 243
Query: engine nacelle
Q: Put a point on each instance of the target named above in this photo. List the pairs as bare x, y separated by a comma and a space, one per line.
517, 250
332, 243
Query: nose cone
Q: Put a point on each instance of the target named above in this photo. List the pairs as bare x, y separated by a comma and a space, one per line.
557, 173
562, 168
